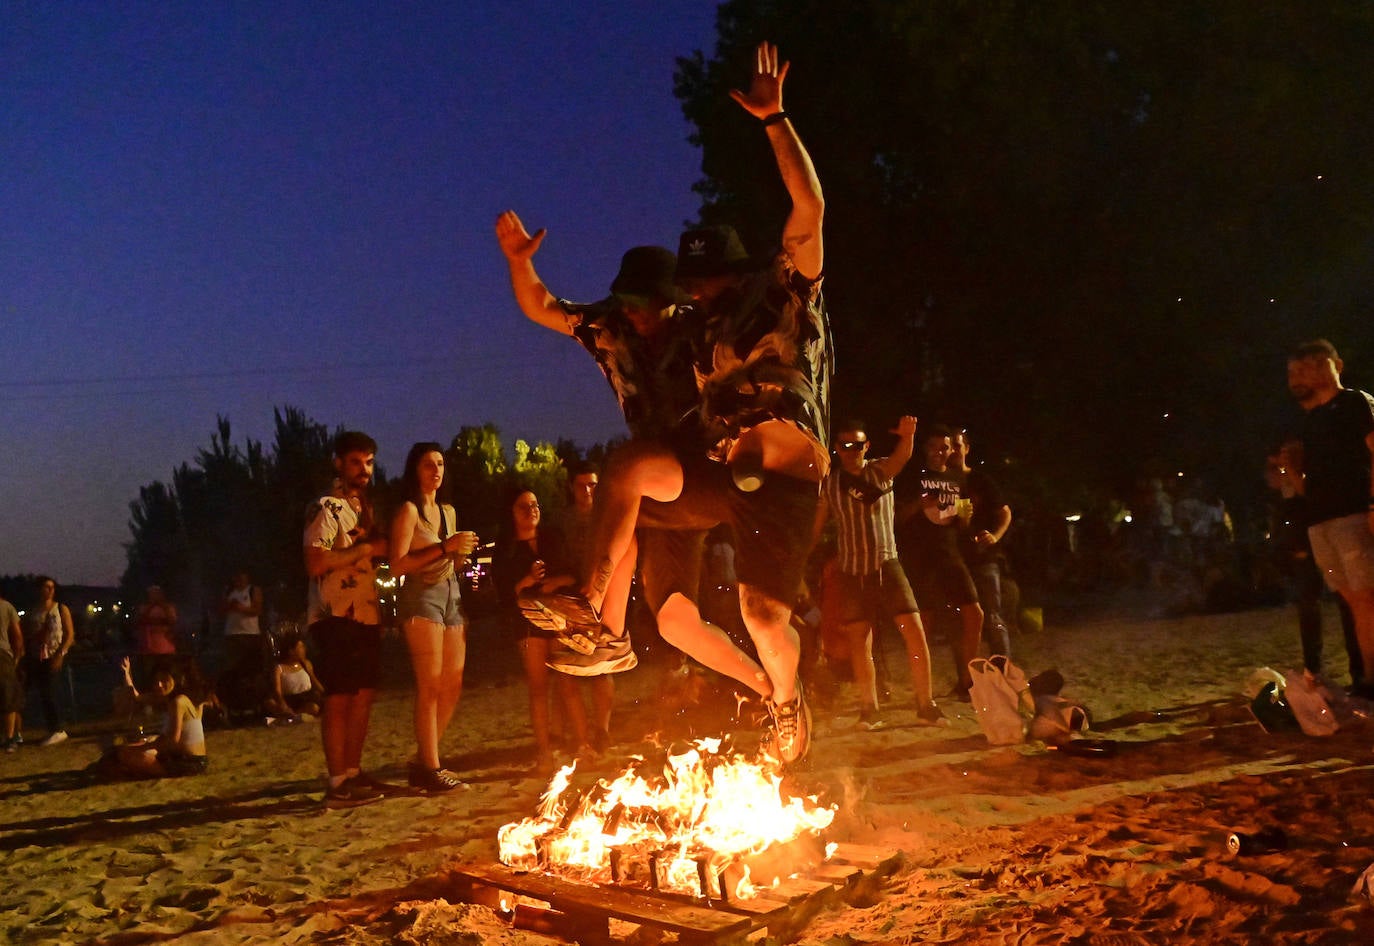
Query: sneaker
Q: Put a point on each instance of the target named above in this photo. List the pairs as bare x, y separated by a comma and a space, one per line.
11, 745
869, 720
930, 714
350, 793
791, 728
54, 738
18, 739
433, 781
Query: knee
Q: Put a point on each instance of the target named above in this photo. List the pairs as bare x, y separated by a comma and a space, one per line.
762, 612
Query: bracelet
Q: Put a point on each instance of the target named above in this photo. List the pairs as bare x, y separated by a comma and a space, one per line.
775, 118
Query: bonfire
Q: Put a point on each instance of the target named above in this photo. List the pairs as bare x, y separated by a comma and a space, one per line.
710, 823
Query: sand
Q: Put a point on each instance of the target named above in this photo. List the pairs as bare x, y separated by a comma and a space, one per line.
1002, 845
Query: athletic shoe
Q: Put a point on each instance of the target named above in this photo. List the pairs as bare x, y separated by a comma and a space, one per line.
11, 745
608, 655
350, 793
54, 738
869, 720
791, 728
433, 781
576, 610
930, 714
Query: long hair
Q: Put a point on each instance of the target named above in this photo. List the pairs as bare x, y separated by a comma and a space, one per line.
410, 477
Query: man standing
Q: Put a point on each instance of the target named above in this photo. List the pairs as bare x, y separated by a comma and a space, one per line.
245, 654
987, 524
341, 541
762, 362
858, 495
1337, 440
928, 536
11, 653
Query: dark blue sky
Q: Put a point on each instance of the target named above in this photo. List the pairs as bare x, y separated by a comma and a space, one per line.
220, 208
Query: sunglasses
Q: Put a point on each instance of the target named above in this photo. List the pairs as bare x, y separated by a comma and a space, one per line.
853, 444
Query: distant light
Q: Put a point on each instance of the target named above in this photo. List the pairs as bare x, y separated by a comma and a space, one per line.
1126, 518
1166, 415
1319, 177
1179, 299
1074, 518
1271, 300
1180, 472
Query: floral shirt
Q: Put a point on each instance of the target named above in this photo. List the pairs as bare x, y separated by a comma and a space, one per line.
764, 353
349, 592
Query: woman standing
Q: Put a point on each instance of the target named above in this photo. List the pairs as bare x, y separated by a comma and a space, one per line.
48, 635
424, 543
529, 564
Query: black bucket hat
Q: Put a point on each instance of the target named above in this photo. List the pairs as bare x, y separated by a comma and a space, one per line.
647, 271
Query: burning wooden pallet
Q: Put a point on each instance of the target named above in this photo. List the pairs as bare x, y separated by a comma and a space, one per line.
582, 911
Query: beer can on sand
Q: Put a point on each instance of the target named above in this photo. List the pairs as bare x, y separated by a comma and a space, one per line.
1264, 841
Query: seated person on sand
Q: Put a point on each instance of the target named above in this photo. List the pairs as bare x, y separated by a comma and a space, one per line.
179, 749
293, 690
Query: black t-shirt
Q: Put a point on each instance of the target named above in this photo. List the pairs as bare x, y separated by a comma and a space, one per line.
987, 499
1335, 456
919, 537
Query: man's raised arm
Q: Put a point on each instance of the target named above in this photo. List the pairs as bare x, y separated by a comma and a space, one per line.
533, 297
801, 235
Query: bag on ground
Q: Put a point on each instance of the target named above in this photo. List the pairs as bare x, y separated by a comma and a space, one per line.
997, 694
1310, 705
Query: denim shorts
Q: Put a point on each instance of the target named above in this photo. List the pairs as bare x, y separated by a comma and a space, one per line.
440, 603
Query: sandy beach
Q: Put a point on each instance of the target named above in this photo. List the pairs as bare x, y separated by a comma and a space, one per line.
1002, 845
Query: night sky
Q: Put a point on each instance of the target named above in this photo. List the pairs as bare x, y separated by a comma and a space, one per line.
216, 209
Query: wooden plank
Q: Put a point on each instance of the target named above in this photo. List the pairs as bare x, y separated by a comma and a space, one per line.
615, 902
840, 874
863, 855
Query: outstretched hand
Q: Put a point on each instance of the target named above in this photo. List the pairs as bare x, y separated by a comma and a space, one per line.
515, 240
764, 97
906, 426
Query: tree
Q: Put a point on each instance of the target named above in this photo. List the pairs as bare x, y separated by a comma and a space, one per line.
1059, 223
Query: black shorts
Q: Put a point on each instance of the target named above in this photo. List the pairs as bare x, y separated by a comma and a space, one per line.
884, 593
771, 525
943, 579
670, 563
350, 655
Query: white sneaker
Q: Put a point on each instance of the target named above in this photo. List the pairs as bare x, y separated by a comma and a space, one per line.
55, 738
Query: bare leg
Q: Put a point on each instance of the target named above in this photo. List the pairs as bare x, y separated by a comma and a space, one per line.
681, 625
358, 715
334, 733
451, 667
533, 652
617, 599
1362, 606
569, 693
970, 633
424, 639
769, 624
635, 471
603, 701
860, 637
918, 654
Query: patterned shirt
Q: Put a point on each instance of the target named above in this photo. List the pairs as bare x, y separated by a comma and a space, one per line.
348, 592
764, 353
862, 507
652, 378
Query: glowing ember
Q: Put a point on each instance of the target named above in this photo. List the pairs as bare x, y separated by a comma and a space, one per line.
680, 830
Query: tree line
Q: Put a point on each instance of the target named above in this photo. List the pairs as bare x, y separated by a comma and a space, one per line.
243, 506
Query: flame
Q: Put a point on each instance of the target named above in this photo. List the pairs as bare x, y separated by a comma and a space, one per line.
705, 806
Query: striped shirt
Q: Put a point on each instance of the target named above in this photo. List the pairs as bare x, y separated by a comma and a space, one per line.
862, 508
